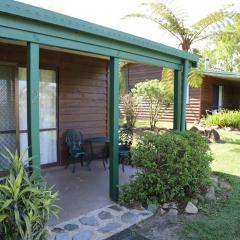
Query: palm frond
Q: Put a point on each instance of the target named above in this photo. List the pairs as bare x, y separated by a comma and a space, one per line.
161, 14
213, 22
195, 77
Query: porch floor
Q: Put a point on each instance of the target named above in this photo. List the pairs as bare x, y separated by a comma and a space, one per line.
82, 191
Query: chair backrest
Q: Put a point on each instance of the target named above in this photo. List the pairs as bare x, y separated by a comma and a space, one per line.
73, 137
126, 137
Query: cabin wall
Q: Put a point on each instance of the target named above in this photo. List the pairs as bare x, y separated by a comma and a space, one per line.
231, 92
134, 73
82, 89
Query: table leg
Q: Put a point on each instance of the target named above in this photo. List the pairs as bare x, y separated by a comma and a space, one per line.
91, 156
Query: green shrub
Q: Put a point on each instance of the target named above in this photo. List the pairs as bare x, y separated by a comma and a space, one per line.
172, 166
26, 203
157, 94
130, 109
223, 119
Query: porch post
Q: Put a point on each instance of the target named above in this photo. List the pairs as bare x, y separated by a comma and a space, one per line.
177, 100
113, 129
33, 106
184, 94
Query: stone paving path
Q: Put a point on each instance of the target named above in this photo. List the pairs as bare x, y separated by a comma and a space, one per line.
98, 224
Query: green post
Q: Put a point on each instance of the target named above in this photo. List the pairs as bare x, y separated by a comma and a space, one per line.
113, 129
177, 100
184, 94
33, 106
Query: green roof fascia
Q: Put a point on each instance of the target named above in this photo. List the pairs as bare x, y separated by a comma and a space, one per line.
223, 74
52, 24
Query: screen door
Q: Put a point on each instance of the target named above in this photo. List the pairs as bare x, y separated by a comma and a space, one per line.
7, 112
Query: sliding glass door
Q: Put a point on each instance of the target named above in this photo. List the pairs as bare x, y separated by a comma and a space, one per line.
48, 114
13, 113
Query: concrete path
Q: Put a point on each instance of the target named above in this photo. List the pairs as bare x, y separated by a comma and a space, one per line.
98, 224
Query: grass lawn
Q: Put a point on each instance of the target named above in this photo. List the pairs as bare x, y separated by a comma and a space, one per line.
224, 222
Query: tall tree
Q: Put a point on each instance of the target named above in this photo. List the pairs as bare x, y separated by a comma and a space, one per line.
225, 48
174, 22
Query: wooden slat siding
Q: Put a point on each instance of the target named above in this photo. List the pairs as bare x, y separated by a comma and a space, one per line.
231, 92
134, 73
83, 88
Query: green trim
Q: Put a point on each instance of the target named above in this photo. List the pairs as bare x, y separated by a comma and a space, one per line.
35, 14
33, 106
133, 54
177, 100
234, 76
184, 94
113, 130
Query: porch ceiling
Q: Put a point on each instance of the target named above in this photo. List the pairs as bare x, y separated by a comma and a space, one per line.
23, 22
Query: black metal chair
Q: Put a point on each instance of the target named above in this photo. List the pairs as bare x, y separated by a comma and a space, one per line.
74, 142
125, 143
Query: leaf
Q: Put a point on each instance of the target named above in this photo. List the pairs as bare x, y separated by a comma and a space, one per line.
3, 217
195, 77
6, 204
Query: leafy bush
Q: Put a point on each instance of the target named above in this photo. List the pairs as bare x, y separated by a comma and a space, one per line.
172, 166
223, 119
26, 203
156, 93
130, 109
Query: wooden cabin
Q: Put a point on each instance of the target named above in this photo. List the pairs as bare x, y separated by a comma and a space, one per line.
58, 72
219, 90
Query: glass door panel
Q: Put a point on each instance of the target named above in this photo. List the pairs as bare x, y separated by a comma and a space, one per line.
48, 120
7, 112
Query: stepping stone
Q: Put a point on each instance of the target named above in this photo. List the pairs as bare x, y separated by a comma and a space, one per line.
109, 227
144, 214
116, 208
129, 217
105, 215
84, 235
71, 227
58, 230
62, 236
89, 221
127, 235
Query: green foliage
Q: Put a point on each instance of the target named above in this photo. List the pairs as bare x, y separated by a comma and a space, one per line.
195, 77
130, 109
223, 119
122, 84
225, 47
157, 94
26, 203
172, 166
173, 21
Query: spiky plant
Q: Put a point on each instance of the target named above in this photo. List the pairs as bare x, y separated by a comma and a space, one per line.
26, 202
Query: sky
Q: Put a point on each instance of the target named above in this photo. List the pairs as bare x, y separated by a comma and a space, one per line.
109, 13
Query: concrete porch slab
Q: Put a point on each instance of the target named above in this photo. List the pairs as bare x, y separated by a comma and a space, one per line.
82, 191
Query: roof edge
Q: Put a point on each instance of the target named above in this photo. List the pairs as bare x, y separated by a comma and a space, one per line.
50, 17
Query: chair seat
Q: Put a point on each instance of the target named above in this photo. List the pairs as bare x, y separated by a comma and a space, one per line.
124, 153
80, 154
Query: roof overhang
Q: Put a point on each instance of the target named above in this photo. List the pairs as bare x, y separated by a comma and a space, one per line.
23, 22
229, 76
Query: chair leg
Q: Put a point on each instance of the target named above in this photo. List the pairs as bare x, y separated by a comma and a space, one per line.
123, 159
68, 162
104, 165
74, 165
81, 159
